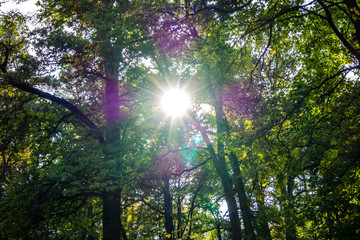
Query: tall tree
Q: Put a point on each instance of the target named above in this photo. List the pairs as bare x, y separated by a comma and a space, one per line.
94, 59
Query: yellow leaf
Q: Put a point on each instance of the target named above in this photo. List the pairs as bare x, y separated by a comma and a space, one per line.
244, 154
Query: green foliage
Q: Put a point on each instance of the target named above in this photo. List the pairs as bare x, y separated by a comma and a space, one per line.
284, 73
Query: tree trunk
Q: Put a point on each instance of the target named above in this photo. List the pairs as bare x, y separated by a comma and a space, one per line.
221, 169
230, 198
90, 215
263, 229
223, 172
240, 190
218, 231
223, 130
179, 215
112, 228
169, 224
111, 215
289, 211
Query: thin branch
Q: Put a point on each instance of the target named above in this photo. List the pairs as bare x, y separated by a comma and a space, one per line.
148, 204
263, 53
191, 169
58, 123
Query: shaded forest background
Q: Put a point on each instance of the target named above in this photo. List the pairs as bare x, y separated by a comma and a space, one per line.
269, 149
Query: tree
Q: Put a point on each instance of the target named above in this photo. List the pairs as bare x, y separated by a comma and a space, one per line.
75, 51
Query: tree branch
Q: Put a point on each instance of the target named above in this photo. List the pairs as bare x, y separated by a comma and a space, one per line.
148, 204
59, 122
330, 20
81, 116
191, 169
206, 7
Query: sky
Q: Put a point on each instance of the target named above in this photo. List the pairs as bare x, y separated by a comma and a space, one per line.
25, 7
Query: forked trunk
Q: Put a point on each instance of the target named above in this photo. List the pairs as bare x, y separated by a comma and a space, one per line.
223, 130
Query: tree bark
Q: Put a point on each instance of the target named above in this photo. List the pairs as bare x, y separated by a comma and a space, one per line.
223, 130
289, 208
111, 215
90, 215
240, 190
218, 231
222, 171
112, 228
179, 215
169, 224
230, 198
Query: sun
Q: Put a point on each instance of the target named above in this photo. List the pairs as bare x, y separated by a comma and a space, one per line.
175, 102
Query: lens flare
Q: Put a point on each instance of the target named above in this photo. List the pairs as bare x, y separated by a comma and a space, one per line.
197, 139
